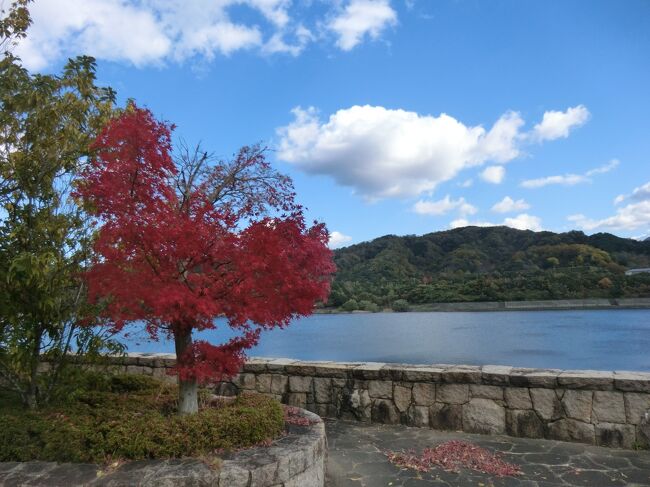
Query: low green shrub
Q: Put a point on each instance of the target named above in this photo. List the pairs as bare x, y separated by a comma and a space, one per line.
131, 417
400, 305
368, 306
350, 305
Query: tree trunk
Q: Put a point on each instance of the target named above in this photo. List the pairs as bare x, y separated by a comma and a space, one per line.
188, 402
31, 396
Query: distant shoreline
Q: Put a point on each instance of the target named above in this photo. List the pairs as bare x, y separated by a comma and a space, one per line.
550, 305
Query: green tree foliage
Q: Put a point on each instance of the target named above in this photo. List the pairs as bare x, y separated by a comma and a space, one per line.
605, 283
14, 21
552, 261
368, 306
489, 264
400, 305
47, 124
350, 305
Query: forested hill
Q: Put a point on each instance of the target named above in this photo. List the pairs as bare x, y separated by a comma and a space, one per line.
489, 264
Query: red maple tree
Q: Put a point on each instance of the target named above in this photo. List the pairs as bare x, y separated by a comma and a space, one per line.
185, 240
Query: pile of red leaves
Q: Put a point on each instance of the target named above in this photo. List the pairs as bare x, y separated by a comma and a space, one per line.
293, 415
452, 456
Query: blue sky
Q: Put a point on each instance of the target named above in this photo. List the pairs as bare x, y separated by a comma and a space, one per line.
393, 116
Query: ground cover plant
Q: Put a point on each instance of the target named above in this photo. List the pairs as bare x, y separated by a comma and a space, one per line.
452, 456
97, 418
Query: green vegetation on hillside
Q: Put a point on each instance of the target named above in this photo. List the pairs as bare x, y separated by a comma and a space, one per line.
488, 264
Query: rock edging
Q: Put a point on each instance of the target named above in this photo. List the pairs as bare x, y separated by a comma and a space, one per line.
295, 460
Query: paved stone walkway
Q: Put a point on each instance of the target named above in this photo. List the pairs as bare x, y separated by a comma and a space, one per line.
356, 460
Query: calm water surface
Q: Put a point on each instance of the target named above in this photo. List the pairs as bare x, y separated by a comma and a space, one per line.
593, 339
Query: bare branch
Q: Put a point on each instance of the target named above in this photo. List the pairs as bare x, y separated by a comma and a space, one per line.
245, 184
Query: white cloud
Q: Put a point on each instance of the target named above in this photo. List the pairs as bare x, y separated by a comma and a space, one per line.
154, 32
605, 168
278, 44
360, 18
337, 239
501, 140
522, 221
463, 222
467, 183
108, 29
555, 124
565, 180
443, 206
629, 217
634, 215
493, 174
383, 152
508, 205
276, 11
642, 193
570, 179
219, 37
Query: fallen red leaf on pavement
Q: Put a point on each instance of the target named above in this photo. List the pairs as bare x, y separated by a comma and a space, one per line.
452, 456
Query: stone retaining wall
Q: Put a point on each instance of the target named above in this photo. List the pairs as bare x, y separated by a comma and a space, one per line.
594, 407
549, 305
295, 460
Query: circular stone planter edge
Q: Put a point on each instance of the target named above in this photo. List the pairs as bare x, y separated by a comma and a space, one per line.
295, 460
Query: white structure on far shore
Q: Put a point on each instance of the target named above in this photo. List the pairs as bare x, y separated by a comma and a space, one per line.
631, 272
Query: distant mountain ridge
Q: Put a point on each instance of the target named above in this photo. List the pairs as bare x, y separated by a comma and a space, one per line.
489, 263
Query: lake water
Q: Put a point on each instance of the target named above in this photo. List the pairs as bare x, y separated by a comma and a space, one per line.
584, 339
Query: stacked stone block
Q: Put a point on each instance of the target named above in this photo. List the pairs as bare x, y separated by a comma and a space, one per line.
594, 407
